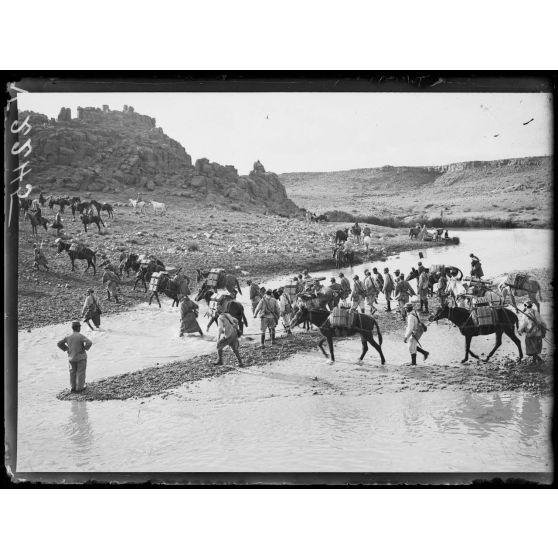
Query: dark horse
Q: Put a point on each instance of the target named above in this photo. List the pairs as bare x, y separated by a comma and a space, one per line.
229, 282
129, 261
341, 236
36, 220
145, 272
414, 232
168, 286
80, 254
506, 321
90, 219
360, 323
98, 206
60, 202
232, 307
108, 208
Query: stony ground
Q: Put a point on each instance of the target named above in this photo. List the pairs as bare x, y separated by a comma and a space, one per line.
500, 374
251, 245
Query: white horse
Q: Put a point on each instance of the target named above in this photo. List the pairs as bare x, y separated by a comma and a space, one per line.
138, 205
158, 207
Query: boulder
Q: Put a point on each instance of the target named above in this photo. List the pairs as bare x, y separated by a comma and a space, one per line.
198, 181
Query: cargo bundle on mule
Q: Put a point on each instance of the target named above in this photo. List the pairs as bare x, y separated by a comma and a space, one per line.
520, 281
340, 317
216, 278
155, 281
482, 312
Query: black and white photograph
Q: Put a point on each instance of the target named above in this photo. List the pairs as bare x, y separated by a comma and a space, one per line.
253, 278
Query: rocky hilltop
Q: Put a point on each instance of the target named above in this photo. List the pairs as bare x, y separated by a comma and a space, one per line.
514, 190
104, 150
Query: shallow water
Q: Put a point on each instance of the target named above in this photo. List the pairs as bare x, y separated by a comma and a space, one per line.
294, 415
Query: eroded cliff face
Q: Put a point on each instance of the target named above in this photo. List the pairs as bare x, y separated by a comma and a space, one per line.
105, 150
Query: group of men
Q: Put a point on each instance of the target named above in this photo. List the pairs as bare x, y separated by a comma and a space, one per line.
272, 305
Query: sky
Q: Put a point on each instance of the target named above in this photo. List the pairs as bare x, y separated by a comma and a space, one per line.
296, 132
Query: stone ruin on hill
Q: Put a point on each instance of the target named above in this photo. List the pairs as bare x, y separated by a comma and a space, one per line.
104, 150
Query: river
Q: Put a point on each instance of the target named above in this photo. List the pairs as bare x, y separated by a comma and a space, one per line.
295, 415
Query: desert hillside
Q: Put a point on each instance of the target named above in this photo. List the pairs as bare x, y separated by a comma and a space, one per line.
104, 152
515, 190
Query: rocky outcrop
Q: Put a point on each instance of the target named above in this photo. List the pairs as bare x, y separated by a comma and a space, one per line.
117, 151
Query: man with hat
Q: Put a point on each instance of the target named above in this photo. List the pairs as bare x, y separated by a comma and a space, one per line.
371, 292
91, 310
76, 346
358, 295
423, 286
285, 309
403, 292
345, 286
334, 290
269, 310
388, 285
255, 296
534, 328
413, 333
378, 279
476, 267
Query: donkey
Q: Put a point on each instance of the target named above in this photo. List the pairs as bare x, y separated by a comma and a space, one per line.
108, 208
36, 220
230, 306
229, 282
362, 324
506, 322
82, 253
89, 219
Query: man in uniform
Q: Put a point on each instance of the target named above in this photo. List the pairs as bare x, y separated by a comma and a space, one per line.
423, 286
378, 279
476, 267
403, 291
255, 296
371, 292
358, 295
285, 309
388, 287
76, 346
269, 310
443, 287
413, 333
345, 286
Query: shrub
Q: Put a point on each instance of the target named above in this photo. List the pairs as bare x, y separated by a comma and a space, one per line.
193, 246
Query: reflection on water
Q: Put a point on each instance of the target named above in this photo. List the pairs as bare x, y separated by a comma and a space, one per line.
294, 415
78, 428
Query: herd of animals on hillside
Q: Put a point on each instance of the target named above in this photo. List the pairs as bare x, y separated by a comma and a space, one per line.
475, 305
